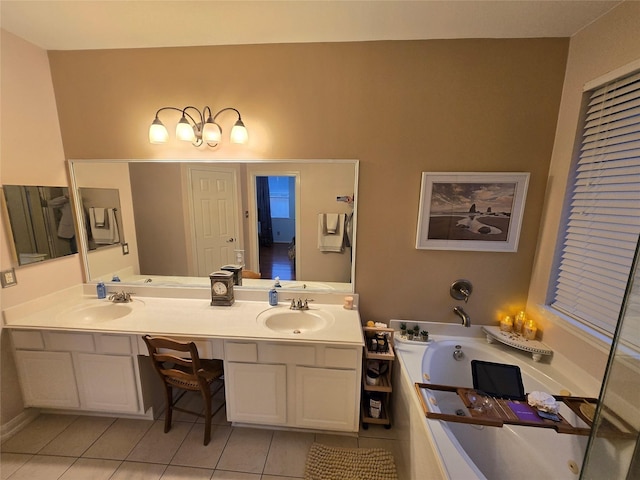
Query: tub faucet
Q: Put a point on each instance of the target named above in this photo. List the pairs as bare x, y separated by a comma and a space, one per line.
466, 320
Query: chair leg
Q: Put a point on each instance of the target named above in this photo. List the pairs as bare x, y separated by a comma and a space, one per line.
206, 396
169, 410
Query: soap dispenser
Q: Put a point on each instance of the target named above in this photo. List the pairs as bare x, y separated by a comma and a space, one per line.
101, 290
273, 296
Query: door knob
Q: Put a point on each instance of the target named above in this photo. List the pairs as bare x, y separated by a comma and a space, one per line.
231, 240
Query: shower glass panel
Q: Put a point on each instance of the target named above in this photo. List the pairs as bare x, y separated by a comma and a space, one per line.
616, 455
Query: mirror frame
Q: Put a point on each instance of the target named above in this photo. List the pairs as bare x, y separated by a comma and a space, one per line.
82, 237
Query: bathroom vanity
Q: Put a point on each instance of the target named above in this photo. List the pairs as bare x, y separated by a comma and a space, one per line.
76, 353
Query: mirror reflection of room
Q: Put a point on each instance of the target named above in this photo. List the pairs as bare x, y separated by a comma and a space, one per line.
276, 204
42, 223
183, 220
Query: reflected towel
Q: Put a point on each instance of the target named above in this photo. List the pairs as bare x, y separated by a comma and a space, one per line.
331, 223
99, 217
105, 235
331, 242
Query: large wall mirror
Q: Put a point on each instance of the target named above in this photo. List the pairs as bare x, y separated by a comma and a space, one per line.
183, 219
40, 222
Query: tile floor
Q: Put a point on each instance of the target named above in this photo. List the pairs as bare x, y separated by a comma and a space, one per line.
69, 447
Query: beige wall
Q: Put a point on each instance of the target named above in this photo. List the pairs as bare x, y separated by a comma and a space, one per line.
607, 45
399, 107
30, 154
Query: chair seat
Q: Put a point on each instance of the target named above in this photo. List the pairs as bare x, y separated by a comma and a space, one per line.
211, 370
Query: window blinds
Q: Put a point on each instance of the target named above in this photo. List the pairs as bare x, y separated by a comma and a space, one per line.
603, 223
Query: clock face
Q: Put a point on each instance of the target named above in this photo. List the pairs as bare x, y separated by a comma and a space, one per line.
219, 288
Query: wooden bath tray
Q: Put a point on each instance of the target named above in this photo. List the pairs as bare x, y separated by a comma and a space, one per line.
500, 413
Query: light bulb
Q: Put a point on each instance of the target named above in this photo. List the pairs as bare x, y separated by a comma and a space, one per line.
211, 132
239, 133
184, 131
157, 132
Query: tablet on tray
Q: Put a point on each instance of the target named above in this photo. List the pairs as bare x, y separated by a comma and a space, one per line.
498, 379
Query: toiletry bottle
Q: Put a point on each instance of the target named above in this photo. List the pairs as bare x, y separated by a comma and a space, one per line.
277, 282
115, 278
273, 296
102, 290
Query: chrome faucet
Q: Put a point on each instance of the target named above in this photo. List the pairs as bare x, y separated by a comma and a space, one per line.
300, 304
466, 320
120, 297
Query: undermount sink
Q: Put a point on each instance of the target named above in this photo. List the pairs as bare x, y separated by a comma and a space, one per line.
98, 313
295, 321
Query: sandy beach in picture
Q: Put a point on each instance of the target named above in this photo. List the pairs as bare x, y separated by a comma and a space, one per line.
471, 211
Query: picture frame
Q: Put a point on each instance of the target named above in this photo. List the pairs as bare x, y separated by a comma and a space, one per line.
475, 211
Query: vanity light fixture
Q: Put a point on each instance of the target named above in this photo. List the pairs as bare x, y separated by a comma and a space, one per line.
199, 128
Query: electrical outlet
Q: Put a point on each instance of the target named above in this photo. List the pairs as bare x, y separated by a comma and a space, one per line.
125, 249
8, 278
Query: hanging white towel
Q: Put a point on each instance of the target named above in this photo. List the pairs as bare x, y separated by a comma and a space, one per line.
108, 234
99, 217
331, 223
331, 242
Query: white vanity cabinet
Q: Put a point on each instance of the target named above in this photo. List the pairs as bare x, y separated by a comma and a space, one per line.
47, 379
293, 384
78, 370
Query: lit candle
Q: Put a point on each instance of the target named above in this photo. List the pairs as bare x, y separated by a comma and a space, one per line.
530, 330
506, 324
519, 322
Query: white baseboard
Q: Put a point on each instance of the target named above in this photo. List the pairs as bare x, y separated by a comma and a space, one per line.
16, 424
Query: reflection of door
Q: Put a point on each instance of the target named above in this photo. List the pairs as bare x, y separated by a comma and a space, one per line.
214, 218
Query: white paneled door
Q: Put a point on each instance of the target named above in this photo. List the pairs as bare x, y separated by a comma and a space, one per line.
215, 217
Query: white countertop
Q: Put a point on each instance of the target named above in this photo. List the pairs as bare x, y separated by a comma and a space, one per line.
180, 316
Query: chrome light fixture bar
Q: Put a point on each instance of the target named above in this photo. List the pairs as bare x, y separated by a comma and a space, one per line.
199, 128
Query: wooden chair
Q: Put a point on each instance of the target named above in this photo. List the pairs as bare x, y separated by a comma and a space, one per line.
250, 274
187, 373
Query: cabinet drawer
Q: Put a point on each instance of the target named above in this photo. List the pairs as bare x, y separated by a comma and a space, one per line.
27, 339
341, 357
241, 352
289, 354
70, 342
115, 344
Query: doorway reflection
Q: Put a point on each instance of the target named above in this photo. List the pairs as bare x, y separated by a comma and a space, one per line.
276, 226
275, 261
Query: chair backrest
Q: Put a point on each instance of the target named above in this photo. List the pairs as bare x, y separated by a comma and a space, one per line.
166, 358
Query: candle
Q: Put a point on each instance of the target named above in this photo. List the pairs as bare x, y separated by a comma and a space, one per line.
519, 322
506, 324
530, 330
348, 303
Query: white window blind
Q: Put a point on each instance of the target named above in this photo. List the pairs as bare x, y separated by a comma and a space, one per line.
603, 223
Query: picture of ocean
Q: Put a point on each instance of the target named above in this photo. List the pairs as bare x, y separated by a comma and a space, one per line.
471, 211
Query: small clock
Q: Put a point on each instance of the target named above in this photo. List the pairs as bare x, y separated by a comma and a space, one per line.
222, 288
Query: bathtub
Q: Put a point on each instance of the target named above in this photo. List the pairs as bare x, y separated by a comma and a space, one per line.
482, 452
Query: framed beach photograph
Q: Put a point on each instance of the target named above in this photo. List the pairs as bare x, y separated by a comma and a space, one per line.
471, 211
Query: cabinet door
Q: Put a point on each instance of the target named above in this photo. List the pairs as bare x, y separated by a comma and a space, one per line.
107, 383
47, 379
327, 399
256, 393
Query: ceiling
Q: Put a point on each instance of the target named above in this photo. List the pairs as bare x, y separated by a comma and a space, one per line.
103, 24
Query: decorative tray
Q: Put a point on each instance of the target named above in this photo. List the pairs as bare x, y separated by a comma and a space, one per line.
515, 340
